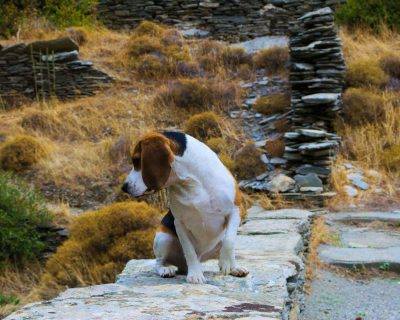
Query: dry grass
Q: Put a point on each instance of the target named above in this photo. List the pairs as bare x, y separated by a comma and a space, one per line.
274, 103
273, 60
204, 126
198, 94
248, 163
22, 152
320, 234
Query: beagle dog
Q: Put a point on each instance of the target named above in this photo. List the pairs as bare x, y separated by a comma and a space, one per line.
204, 199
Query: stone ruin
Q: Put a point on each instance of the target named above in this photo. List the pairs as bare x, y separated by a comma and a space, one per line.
224, 19
47, 68
317, 78
316, 81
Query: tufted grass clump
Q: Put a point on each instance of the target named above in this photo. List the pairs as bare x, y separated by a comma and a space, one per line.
248, 163
22, 153
272, 104
148, 28
273, 60
78, 34
361, 105
218, 145
100, 244
390, 63
155, 51
365, 72
198, 93
275, 147
204, 125
391, 157
23, 215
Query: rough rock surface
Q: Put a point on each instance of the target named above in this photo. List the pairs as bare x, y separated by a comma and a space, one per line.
47, 68
224, 19
272, 288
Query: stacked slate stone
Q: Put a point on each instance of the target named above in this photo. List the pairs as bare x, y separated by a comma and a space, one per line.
47, 68
224, 19
317, 78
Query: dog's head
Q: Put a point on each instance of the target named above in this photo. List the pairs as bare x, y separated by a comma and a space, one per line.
152, 157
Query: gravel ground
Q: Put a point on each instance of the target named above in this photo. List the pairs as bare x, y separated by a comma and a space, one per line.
338, 298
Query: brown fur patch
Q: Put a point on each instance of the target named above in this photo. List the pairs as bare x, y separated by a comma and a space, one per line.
156, 156
239, 202
164, 229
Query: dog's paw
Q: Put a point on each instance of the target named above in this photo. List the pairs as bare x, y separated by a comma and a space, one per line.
239, 272
166, 272
196, 277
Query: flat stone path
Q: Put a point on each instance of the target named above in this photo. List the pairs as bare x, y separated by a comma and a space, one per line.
270, 245
365, 246
365, 239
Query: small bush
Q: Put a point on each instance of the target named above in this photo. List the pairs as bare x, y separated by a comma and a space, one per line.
198, 94
148, 28
41, 121
275, 147
79, 35
228, 162
9, 19
100, 244
204, 125
371, 13
362, 106
274, 103
248, 163
365, 72
391, 65
273, 60
156, 52
391, 157
22, 153
218, 145
234, 57
22, 214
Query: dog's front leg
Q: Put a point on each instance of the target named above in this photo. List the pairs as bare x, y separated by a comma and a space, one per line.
195, 272
227, 259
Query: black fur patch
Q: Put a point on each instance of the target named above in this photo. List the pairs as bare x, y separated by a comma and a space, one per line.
168, 222
179, 138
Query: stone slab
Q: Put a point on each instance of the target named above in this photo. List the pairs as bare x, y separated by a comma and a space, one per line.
389, 258
140, 293
364, 216
364, 238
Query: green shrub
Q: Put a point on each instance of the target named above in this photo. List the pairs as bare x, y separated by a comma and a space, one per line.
218, 145
365, 72
370, 13
9, 19
22, 213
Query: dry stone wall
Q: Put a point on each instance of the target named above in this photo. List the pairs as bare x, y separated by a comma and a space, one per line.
224, 19
47, 68
317, 78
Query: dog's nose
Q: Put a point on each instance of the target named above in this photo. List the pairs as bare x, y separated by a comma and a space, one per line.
125, 187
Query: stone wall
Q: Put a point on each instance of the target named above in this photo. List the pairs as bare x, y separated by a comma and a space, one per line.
46, 68
317, 78
224, 19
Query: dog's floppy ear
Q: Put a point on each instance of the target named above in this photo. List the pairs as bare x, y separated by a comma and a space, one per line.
156, 159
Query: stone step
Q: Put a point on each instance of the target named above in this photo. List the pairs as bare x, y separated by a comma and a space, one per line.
366, 238
273, 259
383, 258
393, 217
